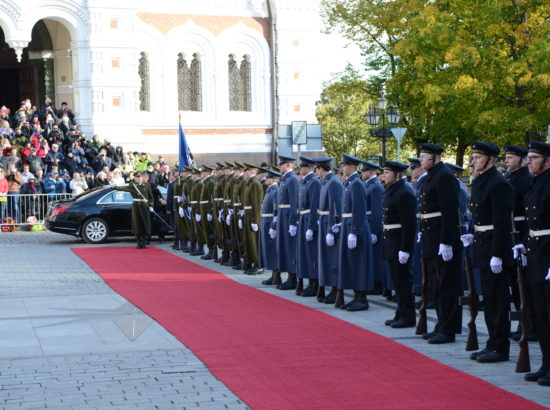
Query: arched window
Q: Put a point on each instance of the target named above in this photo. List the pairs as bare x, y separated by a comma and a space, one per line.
240, 85
144, 92
189, 83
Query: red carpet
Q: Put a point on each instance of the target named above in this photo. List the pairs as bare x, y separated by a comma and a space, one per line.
276, 354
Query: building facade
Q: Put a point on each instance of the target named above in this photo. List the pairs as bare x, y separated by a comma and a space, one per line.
129, 68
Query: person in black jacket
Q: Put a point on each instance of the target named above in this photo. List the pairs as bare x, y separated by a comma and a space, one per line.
399, 208
491, 205
519, 177
537, 212
439, 239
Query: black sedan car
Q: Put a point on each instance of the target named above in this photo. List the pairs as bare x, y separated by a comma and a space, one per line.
101, 213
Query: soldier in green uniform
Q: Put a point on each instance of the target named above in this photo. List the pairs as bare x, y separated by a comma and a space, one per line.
141, 206
223, 217
196, 218
252, 206
217, 209
179, 211
238, 213
206, 206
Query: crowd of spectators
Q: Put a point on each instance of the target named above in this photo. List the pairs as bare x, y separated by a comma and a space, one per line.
43, 151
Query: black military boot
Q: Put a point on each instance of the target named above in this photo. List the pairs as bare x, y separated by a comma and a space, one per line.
144, 243
290, 283
321, 294
300, 287
215, 256
199, 251
208, 256
184, 246
269, 281
311, 289
331, 297
252, 270
191, 248
176, 245
138, 243
276, 278
339, 299
359, 303
225, 258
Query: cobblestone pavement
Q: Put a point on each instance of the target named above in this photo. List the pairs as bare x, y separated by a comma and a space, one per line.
68, 341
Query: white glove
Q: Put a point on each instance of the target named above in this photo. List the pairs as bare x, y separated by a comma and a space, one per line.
180, 198
329, 239
336, 227
496, 264
352, 241
418, 237
240, 223
220, 216
181, 212
151, 209
467, 239
272, 233
548, 276
241, 212
197, 217
373, 238
518, 249
403, 257
209, 217
228, 220
254, 227
275, 219
446, 252
309, 235
292, 230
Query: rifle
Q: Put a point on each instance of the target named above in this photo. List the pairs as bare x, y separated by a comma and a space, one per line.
472, 299
158, 216
523, 364
422, 325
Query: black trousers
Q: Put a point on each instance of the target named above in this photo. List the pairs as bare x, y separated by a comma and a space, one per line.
445, 279
403, 282
496, 295
541, 313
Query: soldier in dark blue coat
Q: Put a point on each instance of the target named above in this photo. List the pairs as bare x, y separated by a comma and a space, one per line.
399, 238
375, 193
417, 177
329, 211
519, 177
491, 205
537, 212
268, 246
439, 220
307, 260
355, 246
285, 225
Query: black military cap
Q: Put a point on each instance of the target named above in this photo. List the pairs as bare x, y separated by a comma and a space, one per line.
348, 159
515, 150
540, 147
454, 167
206, 168
322, 161
395, 166
431, 148
485, 148
369, 166
415, 163
284, 160
306, 162
271, 174
263, 164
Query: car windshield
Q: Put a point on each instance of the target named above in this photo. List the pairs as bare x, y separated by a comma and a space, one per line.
87, 194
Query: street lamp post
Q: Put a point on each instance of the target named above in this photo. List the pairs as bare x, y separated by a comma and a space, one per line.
377, 115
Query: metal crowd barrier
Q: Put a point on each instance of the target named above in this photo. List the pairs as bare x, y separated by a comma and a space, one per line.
22, 209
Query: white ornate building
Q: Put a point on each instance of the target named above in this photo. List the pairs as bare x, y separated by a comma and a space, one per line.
127, 68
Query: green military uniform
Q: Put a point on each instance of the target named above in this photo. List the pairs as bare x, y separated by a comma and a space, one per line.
217, 210
141, 219
196, 217
206, 204
238, 237
229, 247
252, 205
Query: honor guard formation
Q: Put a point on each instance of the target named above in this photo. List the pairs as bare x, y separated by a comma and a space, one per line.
322, 231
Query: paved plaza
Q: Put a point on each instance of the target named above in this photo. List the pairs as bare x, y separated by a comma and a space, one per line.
68, 341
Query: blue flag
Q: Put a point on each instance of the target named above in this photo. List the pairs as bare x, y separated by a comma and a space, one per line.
184, 153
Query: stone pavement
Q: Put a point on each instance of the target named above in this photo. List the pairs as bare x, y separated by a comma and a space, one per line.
68, 341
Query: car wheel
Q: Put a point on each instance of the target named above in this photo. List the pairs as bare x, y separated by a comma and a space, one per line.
95, 230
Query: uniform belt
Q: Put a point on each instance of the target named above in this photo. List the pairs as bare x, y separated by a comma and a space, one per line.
284, 205
267, 215
204, 202
542, 232
247, 207
391, 226
139, 200
430, 215
176, 196
369, 212
218, 199
236, 204
519, 218
305, 211
322, 212
227, 201
193, 202
483, 228
347, 215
